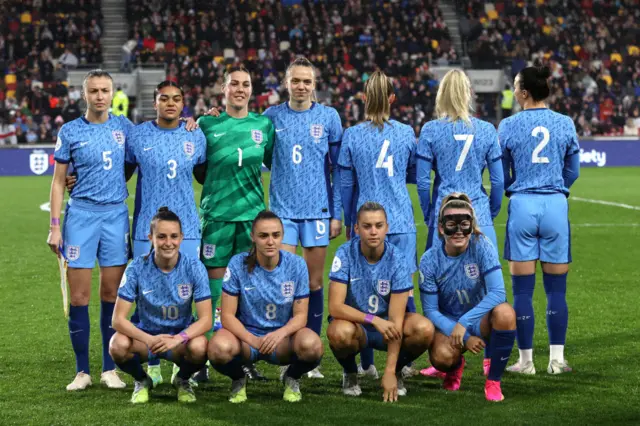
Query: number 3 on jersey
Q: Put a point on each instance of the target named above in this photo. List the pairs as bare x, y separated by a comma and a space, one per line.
387, 163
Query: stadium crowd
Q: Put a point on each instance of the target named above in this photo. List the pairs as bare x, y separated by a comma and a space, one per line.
589, 45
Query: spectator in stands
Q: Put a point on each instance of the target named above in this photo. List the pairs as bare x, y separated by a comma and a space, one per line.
506, 102
7, 130
68, 59
120, 103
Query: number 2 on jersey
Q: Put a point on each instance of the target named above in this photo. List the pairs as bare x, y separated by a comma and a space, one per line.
468, 140
535, 156
387, 163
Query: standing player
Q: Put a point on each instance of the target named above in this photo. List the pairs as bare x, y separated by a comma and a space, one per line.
238, 143
96, 223
264, 312
462, 292
370, 286
541, 161
375, 156
459, 147
164, 284
305, 161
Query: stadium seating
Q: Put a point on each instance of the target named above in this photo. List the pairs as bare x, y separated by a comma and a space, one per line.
39, 42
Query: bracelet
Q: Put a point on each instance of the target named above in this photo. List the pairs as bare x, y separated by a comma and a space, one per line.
55, 221
185, 337
369, 318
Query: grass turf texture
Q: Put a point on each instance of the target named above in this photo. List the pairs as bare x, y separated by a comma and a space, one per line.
36, 359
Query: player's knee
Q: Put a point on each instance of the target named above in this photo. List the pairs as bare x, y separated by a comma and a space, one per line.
119, 347
315, 284
503, 317
341, 335
108, 294
310, 348
421, 332
443, 358
80, 298
220, 351
197, 348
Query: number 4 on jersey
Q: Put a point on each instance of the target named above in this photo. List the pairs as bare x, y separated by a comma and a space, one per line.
387, 163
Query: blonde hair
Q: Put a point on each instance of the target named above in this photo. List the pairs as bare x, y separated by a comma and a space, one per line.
459, 200
301, 61
377, 90
453, 100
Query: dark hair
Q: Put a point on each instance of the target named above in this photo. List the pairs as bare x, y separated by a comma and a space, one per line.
301, 61
235, 68
371, 206
165, 214
95, 74
535, 81
252, 259
166, 83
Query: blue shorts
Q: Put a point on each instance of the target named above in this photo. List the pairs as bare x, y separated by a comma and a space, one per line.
255, 354
93, 231
408, 247
310, 233
538, 228
375, 340
190, 247
488, 230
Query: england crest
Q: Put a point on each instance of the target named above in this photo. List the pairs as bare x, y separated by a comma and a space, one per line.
58, 144
472, 271
287, 289
73, 253
38, 161
185, 291
336, 265
118, 136
384, 287
189, 148
208, 251
316, 130
123, 281
227, 275
256, 136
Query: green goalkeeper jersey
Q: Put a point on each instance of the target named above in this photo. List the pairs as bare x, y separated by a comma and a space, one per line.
236, 149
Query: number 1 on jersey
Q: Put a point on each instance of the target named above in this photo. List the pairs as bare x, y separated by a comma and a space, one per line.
468, 139
387, 163
239, 157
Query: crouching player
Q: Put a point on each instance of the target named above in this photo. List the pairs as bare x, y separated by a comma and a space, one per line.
265, 301
462, 292
370, 285
164, 284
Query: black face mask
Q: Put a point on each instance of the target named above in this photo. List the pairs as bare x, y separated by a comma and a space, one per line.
458, 219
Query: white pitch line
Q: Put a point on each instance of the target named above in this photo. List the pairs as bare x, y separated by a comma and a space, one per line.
605, 203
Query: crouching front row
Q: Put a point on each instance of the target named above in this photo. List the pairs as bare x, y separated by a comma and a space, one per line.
265, 305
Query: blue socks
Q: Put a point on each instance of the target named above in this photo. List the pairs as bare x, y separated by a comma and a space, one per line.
366, 357
316, 310
188, 369
134, 368
79, 332
501, 345
232, 369
555, 286
411, 305
298, 367
523, 286
348, 363
106, 312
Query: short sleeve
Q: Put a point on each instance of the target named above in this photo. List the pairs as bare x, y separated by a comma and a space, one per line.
129, 283
574, 145
62, 153
428, 275
344, 160
335, 127
201, 147
201, 290
495, 153
424, 147
270, 112
231, 279
340, 265
302, 279
401, 280
488, 254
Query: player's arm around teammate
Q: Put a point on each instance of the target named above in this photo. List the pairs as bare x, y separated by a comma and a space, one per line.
163, 284
264, 313
368, 294
462, 292
96, 224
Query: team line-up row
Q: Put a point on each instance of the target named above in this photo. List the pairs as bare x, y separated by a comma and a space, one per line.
317, 173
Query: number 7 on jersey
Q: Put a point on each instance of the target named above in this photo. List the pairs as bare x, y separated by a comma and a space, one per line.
468, 139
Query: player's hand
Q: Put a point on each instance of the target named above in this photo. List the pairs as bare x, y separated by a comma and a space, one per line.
389, 384
335, 228
166, 343
153, 341
191, 124
457, 336
271, 341
70, 182
214, 112
475, 344
387, 329
55, 239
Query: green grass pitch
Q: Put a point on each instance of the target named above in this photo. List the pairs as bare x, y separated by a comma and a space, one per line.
36, 360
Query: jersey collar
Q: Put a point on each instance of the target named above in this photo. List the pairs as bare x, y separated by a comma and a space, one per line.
155, 125
313, 105
85, 121
362, 254
153, 259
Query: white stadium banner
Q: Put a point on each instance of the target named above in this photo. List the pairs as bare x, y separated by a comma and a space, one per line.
482, 81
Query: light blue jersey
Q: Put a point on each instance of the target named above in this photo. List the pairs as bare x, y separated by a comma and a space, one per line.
305, 162
369, 286
380, 160
459, 153
165, 160
97, 153
164, 300
537, 145
265, 298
